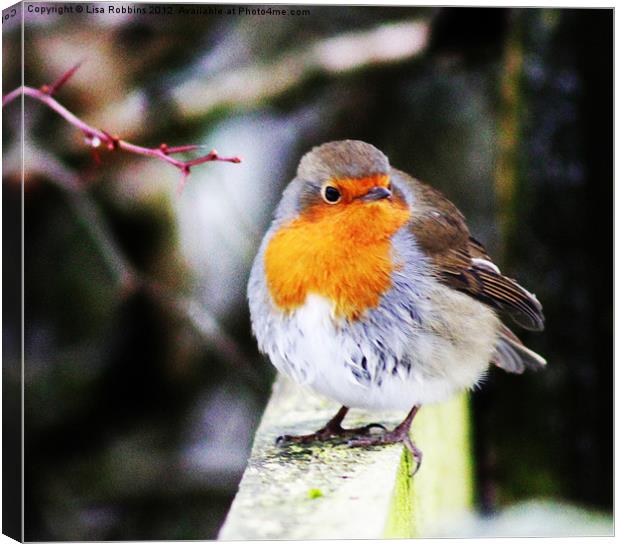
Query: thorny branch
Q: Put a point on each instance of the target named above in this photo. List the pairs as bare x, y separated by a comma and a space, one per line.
125, 275
97, 137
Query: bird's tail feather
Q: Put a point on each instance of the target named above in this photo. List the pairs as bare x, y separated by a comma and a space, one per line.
512, 356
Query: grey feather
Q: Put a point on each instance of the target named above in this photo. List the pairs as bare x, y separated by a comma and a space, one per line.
512, 356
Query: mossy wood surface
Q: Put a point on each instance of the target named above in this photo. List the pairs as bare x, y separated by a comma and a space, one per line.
332, 491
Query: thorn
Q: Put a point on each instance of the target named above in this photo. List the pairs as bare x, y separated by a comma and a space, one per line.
112, 141
92, 140
185, 170
96, 157
180, 148
51, 89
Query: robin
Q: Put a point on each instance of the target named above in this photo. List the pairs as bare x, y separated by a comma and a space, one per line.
369, 288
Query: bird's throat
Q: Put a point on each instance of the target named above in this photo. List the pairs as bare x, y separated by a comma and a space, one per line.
343, 254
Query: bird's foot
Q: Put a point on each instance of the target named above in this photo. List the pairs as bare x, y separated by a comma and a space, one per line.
328, 432
398, 435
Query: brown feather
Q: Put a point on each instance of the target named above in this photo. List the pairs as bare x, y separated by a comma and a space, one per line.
461, 261
476, 249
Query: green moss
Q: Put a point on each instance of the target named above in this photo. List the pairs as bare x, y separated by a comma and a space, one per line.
314, 493
400, 517
443, 486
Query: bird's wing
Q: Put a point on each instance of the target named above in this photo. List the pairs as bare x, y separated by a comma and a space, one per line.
460, 261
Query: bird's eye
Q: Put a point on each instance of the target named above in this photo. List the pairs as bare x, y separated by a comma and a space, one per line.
331, 195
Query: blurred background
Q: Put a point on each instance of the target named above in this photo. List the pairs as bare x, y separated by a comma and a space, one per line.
143, 385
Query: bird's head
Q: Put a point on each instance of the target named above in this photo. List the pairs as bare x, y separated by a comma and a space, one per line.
346, 181
333, 229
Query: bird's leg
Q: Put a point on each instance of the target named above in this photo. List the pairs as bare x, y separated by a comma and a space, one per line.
399, 434
332, 429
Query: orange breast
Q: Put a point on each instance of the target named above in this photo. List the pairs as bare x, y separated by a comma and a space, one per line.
342, 253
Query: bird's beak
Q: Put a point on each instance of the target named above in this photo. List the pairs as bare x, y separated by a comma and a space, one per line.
377, 193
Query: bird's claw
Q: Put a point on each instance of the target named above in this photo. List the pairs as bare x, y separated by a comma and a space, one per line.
370, 426
416, 453
393, 437
328, 433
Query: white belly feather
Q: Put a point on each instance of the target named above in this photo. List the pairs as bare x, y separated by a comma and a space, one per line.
442, 357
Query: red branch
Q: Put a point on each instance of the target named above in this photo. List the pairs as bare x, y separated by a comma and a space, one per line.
96, 137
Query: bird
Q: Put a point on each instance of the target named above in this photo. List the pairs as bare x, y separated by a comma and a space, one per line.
369, 289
